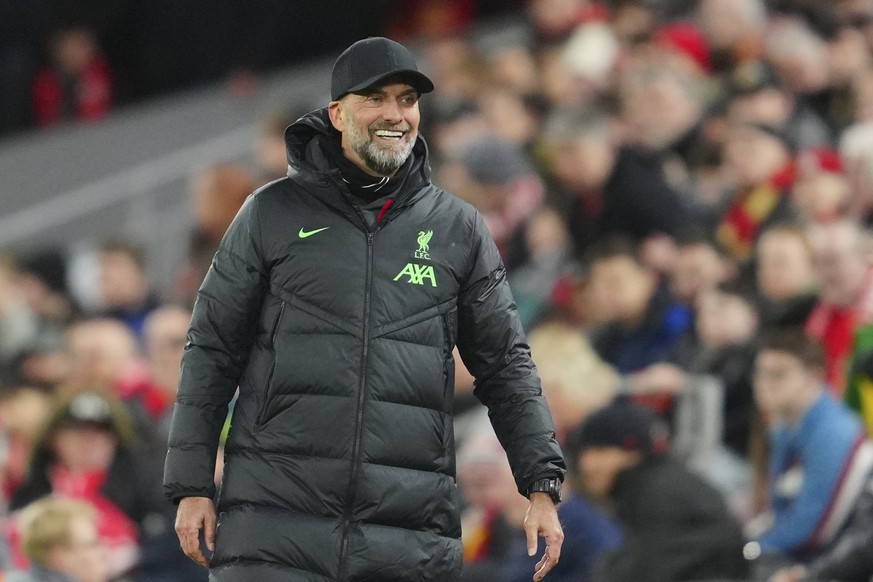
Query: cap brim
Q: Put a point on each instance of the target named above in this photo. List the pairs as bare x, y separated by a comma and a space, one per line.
415, 79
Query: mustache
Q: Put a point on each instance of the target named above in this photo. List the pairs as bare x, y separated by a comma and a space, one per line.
401, 127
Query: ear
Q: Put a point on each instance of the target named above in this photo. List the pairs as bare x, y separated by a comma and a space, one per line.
335, 113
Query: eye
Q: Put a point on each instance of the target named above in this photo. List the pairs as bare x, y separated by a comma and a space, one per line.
409, 100
375, 99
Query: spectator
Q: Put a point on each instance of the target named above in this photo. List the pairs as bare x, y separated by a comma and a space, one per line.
498, 180
849, 558
59, 537
23, 411
726, 325
494, 510
755, 95
554, 20
217, 195
785, 275
124, 285
575, 380
84, 452
819, 455
19, 325
800, 58
165, 336
548, 249
845, 306
700, 264
512, 116
760, 161
77, 84
675, 526
639, 322
494, 541
662, 108
821, 191
42, 277
103, 355
734, 30
613, 189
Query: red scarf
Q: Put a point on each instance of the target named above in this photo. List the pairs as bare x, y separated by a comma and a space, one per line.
741, 223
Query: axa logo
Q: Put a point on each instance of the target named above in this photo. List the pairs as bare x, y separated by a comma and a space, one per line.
417, 273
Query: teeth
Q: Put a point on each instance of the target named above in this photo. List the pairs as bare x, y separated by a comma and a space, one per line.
386, 133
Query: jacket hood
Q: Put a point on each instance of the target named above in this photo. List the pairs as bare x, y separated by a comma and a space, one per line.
305, 139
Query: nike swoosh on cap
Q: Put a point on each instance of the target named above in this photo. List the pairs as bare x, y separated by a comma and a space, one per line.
304, 234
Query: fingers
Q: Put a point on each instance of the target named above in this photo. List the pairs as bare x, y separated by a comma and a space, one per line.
189, 538
193, 515
554, 541
209, 531
549, 560
530, 530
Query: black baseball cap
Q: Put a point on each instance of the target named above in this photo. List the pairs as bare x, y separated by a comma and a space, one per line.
371, 60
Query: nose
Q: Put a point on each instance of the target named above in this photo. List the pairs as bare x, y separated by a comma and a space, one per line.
391, 111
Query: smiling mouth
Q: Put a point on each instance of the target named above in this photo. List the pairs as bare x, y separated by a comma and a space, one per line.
389, 134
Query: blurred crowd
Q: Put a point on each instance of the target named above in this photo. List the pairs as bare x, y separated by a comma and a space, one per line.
682, 192
68, 60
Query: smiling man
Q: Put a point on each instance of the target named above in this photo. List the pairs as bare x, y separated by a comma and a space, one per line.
334, 303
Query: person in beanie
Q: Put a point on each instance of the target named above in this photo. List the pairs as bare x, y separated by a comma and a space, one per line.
334, 302
675, 526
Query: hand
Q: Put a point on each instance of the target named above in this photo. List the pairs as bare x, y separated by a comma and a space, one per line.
542, 519
194, 514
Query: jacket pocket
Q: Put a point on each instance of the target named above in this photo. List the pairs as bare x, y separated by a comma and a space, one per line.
450, 327
267, 393
450, 330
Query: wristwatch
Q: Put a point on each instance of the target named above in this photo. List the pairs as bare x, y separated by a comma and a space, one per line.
550, 486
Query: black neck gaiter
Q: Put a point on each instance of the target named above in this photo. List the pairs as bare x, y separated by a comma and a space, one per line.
361, 184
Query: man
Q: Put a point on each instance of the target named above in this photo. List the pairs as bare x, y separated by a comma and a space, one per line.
759, 157
59, 539
334, 302
819, 456
603, 180
841, 319
675, 526
639, 322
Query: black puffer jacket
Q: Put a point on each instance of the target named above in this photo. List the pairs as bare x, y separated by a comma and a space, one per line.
340, 459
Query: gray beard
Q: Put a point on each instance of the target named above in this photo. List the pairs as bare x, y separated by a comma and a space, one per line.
382, 161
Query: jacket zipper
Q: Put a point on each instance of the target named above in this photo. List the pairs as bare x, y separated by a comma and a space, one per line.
359, 417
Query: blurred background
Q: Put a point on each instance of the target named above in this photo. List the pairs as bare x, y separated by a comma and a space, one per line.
670, 183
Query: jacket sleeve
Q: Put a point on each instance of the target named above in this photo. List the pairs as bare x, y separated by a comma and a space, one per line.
221, 331
492, 345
